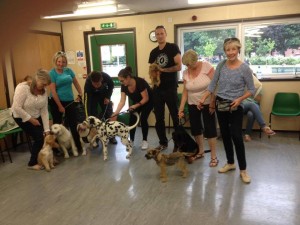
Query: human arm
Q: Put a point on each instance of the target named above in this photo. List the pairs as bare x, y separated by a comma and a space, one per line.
184, 97
78, 88
45, 114
55, 97
176, 67
21, 95
144, 100
120, 105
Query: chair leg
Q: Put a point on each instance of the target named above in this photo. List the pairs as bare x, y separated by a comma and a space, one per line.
270, 120
2, 156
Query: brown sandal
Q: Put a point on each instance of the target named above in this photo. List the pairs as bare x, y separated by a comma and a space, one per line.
213, 162
198, 156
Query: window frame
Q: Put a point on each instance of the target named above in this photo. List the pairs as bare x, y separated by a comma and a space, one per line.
240, 26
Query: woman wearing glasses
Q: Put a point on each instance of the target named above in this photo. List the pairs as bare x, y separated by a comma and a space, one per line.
62, 97
232, 77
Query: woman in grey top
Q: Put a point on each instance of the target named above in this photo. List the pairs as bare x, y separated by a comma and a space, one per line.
231, 79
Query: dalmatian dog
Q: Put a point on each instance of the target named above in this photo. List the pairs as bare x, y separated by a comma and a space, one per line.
108, 129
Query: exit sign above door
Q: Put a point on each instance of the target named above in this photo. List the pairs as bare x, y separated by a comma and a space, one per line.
108, 25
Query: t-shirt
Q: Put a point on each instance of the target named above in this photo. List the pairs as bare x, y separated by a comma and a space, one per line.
63, 82
198, 85
165, 59
141, 85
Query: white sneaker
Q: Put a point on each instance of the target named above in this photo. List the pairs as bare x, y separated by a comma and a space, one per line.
145, 145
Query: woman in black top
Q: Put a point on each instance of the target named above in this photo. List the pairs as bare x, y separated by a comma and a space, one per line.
140, 94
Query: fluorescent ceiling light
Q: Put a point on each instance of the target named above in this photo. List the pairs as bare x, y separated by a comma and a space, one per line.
95, 4
191, 2
98, 10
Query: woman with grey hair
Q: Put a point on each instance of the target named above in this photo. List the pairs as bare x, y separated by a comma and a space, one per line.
196, 79
30, 111
232, 77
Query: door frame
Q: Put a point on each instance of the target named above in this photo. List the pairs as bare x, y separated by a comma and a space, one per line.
110, 31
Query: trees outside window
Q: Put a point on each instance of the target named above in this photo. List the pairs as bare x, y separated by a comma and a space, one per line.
271, 48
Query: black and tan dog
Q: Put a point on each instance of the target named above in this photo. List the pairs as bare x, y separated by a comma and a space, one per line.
184, 143
164, 160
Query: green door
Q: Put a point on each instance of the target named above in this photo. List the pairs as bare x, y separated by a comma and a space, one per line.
111, 51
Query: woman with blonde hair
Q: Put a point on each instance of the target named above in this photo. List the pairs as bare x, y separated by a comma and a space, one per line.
196, 79
30, 111
232, 77
61, 95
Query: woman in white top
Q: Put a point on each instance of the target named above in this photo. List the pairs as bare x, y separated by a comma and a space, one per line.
196, 79
30, 111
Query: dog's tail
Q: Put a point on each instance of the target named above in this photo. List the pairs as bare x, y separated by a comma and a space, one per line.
137, 121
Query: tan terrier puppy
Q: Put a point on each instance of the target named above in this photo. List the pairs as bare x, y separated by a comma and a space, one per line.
164, 160
45, 156
154, 74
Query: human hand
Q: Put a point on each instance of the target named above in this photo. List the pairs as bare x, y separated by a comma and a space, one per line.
61, 109
106, 101
34, 122
180, 114
200, 103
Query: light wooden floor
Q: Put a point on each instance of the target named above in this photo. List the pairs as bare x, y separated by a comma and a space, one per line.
88, 191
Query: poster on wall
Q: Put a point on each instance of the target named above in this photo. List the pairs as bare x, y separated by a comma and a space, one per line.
80, 55
70, 57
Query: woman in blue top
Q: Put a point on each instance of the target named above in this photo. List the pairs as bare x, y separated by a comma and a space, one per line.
232, 77
140, 93
62, 95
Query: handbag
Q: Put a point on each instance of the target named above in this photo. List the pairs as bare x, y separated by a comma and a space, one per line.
224, 106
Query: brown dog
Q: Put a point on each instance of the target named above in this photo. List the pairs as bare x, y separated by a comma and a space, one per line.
86, 134
45, 157
164, 160
154, 74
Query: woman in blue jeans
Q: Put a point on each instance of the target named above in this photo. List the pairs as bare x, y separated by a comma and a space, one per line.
252, 110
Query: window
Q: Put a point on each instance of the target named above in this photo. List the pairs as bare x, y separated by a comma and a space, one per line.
271, 48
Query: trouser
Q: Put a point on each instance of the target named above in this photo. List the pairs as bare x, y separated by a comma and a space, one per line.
144, 112
69, 120
253, 113
231, 129
160, 98
36, 133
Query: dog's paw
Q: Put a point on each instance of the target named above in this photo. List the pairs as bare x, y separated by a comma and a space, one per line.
67, 156
164, 180
105, 158
128, 156
75, 153
83, 152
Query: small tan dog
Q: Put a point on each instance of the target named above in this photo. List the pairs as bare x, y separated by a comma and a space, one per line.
45, 156
154, 74
164, 160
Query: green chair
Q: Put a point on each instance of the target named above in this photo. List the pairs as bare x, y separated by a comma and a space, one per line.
285, 105
2, 136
